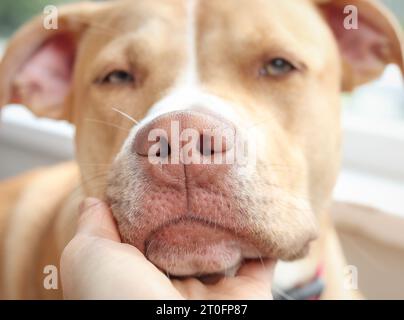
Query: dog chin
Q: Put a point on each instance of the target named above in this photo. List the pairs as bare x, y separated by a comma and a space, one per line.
189, 248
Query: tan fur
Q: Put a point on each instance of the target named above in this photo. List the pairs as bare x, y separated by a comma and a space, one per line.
296, 171
29, 246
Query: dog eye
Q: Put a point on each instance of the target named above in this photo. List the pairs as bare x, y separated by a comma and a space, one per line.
118, 77
277, 67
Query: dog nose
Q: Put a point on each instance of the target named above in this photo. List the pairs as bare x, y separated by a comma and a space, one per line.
204, 133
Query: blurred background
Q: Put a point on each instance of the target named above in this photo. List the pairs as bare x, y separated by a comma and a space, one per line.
373, 161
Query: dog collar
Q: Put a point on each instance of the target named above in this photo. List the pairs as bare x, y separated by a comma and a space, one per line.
311, 290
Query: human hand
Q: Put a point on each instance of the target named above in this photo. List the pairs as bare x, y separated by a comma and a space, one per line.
96, 265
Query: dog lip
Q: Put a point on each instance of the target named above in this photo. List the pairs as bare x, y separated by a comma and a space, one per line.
192, 219
206, 277
220, 227
202, 240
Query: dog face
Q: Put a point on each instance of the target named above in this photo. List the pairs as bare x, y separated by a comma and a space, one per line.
268, 72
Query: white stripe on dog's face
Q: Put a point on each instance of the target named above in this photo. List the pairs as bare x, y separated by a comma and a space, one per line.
187, 92
192, 97
190, 75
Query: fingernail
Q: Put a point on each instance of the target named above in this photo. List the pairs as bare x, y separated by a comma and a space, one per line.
87, 204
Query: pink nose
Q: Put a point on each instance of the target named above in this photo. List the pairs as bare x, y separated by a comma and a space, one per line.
210, 134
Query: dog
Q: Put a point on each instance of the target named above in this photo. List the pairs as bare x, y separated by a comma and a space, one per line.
120, 71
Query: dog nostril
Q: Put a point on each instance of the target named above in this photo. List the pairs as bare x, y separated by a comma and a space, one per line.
206, 145
165, 149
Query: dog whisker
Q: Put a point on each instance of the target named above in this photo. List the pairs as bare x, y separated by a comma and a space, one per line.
108, 124
148, 247
126, 115
77, 191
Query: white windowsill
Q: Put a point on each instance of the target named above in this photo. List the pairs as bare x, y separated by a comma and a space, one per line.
21, 128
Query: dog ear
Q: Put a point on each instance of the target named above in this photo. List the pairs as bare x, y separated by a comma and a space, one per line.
367, 44
37, 67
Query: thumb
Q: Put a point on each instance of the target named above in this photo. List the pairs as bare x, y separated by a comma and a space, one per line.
96, 220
